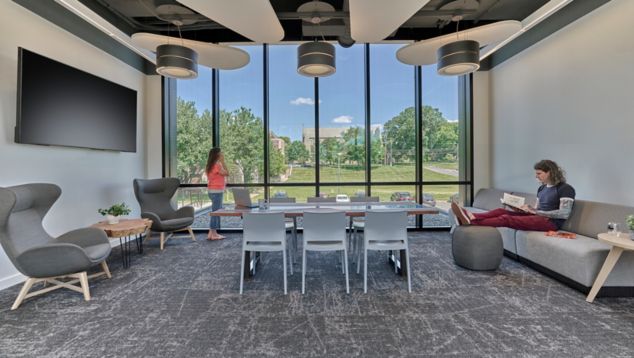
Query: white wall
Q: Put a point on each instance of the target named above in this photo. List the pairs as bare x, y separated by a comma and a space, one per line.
481, 131
89, 179
570, 98
153, 130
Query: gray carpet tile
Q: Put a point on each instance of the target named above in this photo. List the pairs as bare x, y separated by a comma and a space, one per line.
184, 302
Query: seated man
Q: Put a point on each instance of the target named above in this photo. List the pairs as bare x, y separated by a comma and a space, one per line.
554, 204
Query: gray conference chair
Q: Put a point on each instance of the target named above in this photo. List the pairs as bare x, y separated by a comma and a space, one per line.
384, 230
319, 199
40, 257
290, 224
154, 197
263, 232
325, 231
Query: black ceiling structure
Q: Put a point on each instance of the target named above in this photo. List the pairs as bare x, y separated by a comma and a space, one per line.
434, 19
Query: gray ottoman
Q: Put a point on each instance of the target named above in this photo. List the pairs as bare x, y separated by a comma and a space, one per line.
477, 247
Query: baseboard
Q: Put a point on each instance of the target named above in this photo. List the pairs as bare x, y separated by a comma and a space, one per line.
605, 291
11, 280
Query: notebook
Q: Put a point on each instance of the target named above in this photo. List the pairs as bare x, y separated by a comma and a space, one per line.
242, 198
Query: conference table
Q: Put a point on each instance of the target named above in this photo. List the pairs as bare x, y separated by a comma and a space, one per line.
356, 209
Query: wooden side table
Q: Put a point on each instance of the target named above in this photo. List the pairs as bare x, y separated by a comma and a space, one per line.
124, 230
619, 244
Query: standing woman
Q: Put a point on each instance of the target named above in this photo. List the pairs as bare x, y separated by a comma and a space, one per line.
216, 172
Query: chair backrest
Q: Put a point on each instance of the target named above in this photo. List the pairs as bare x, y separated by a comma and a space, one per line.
385, 225
281, 200
263, 227
22, 209
324, 225
319, 199
155, 195
364, 199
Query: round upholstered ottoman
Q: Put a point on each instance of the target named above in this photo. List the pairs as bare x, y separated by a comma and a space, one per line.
477, 247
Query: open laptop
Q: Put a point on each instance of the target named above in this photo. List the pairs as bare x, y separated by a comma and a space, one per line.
242, 198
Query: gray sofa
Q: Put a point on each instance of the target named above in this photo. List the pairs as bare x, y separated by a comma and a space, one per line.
575, 262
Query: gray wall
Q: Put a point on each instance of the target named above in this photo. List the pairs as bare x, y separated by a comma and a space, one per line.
89, 179
569, 98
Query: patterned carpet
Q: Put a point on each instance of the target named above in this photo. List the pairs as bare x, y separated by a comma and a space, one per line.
184, 302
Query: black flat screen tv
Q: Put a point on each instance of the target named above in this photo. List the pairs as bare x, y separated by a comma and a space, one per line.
61, 105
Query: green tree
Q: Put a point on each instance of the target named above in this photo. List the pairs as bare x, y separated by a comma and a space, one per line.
329, 150
193, 141
296, 152
399, 137
277, 162
241, 141
353, 149
437, 135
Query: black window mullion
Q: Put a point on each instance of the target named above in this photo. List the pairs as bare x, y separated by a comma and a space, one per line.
418, 127
317, 179
215, 107
265, 80
368, 120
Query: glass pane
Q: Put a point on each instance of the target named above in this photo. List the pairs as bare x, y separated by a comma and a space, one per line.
193, 126
440, 196
300, 193
440, 126
241, 113
341, 193
393, 116
396, 193
292, 118
342, 119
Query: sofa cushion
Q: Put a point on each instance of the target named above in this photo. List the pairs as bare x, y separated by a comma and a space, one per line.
488, 199
590, 218
579, 259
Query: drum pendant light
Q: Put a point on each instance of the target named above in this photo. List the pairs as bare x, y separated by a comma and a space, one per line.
176, 61
458, 58
316, 59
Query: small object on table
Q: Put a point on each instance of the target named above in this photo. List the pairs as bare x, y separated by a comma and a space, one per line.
124, 230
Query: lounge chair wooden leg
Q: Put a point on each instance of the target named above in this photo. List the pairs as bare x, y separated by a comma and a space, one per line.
191, 232
25, 289
162, 240
83, 280
106, 270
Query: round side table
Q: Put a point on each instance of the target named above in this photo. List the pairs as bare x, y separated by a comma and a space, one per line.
124, 231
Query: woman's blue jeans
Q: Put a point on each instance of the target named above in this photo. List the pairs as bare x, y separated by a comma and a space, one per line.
216, 204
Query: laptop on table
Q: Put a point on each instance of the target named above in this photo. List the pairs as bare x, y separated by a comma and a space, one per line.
242, 198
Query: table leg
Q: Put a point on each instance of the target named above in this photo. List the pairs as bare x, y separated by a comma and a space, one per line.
250, 261
608, 265
400, 261
139, 243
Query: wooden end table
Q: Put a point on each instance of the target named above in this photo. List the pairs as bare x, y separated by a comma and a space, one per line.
619, 244
125, 230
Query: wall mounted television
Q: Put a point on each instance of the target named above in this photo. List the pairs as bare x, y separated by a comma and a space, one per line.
61, 105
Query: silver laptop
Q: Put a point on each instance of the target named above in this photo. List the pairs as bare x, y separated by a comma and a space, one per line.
242, 198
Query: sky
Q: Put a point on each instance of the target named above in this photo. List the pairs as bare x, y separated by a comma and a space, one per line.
341, 96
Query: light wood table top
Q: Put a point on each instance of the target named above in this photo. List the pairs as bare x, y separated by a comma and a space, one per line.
125, 227
623, 240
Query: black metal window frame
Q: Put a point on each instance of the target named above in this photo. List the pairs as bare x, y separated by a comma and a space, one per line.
465, 110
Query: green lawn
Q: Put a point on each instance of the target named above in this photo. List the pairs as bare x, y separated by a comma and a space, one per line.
380, 173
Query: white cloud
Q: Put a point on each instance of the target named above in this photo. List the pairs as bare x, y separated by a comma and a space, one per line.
342, 119
303, 100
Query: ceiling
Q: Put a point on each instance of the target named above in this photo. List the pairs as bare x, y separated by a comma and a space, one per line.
434, 19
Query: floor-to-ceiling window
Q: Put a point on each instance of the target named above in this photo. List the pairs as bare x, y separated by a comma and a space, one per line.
342, 125
291, 126
376, 126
